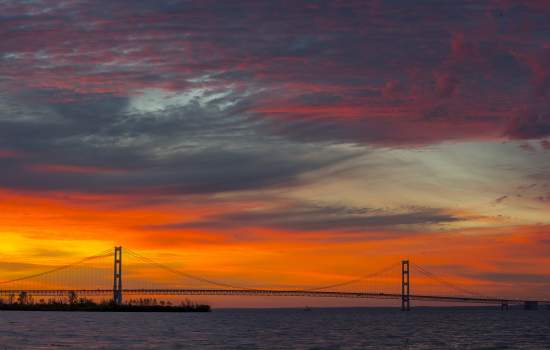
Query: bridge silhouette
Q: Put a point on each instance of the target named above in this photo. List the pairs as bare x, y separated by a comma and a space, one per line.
80, 277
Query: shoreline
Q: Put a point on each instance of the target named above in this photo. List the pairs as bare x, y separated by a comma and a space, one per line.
104, 308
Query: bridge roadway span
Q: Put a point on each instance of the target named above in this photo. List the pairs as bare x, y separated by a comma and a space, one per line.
267, 292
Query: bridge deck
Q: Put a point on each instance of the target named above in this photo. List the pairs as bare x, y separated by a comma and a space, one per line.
267, 292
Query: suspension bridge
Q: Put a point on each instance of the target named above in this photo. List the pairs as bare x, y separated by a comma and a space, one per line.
82, 278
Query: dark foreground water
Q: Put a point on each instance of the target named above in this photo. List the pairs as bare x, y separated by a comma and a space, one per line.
279, 329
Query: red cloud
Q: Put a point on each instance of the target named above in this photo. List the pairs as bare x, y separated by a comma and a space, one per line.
8, 154
351, 50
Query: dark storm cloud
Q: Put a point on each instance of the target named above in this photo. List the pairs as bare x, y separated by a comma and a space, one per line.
531, 124
449, 50
99, 146
292, 78
208, 171
302, 217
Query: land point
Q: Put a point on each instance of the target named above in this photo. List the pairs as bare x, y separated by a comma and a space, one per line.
24, 303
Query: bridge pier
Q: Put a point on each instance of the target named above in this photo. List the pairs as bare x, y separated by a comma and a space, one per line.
405, 286
117, 277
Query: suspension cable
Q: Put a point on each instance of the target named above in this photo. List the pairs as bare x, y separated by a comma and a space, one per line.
183, 274
222, 284
359, 279
445, 282
102, 254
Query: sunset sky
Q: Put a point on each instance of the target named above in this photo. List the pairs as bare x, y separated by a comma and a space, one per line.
279, 143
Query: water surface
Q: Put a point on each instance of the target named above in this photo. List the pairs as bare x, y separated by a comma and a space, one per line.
351, 328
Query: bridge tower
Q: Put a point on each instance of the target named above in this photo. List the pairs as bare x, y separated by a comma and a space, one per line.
117, 277
405, 286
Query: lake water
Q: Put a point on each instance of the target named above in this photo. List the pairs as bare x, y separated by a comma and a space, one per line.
352, 328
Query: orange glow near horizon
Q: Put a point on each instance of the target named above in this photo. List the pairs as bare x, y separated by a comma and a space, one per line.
41, 231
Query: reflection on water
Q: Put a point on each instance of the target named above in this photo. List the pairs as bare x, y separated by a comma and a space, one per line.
280, 329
